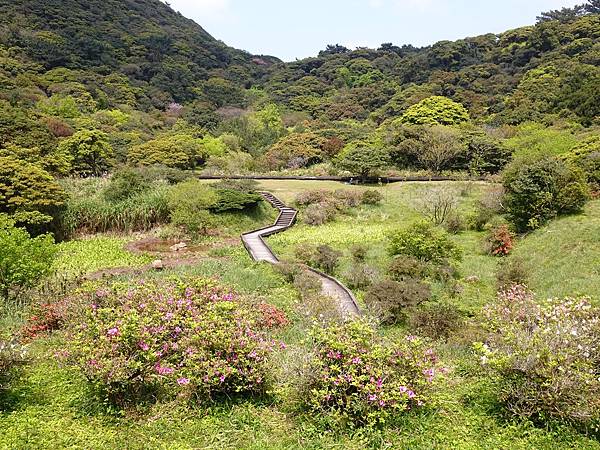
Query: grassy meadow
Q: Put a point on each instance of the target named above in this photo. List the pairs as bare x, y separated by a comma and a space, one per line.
563, 258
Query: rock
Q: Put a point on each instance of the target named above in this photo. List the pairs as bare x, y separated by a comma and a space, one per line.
472, 279
158, 264
178, 247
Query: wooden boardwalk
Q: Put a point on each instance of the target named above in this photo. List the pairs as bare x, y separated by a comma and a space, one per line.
260, 251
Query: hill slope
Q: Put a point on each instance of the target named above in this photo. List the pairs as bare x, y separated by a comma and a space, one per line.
158, 49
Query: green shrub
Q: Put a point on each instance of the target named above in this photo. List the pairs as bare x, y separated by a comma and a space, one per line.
356, 379
454, 223
360, 276
435, 320
319, 214
436, 110
359, 252
423, 241
23, 260
125, 184
586, 156
512, 271
162, 339
406, 267
29, 192
538, 191
307, 283
389, 301
327, 258
234, 200
190, 202
371, 197
544, 357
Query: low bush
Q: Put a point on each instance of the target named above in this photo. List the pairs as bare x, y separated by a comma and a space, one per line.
371, 197
307, 283
23, 260
423, 241
407, 267
389, 301
190, 202
544, 357
347, 198
12, 355
541, 190
234, 200
318, 214
311, 197
500, 241
512, 271
488, 206
327, 258
160, 339
359, 252
438, 205
454, 223
435, 320
356, 379
360, 276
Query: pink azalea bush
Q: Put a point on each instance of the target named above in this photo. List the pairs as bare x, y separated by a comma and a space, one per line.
357, 379
193, 339
545, 356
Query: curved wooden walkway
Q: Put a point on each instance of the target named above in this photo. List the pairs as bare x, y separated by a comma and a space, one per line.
260, 251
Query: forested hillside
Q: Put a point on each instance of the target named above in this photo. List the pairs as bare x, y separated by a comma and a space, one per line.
89, 86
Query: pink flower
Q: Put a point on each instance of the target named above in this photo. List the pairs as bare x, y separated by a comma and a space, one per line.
183, 381
356, 360
403, 389
372, 397
411, 394
222, 378
164, 370
113, 331
144, 346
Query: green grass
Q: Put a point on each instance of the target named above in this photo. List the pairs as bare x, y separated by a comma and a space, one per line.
96, 253
564, 256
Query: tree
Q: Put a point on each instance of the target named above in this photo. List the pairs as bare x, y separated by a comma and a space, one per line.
436, 110
439, 147
363, 161
23, 260
28, 191
90, 150
180, 151
537, 191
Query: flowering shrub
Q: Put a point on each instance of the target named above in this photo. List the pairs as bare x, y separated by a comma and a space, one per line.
546, 356
359, 380
500, 241
44, 317
196, 338
12, 354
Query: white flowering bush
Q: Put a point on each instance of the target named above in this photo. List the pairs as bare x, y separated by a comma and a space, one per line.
545, 355
12, 354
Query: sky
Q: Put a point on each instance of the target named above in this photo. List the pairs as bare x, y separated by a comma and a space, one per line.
295, 29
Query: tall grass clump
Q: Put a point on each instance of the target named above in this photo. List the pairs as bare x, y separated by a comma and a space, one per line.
97, 215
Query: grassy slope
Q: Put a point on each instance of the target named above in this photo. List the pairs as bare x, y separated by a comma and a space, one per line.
564, 256
50, 398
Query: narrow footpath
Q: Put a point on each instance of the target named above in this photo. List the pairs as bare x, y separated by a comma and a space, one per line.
260, 251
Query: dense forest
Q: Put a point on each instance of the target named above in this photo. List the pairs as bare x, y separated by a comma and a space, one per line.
88, 87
